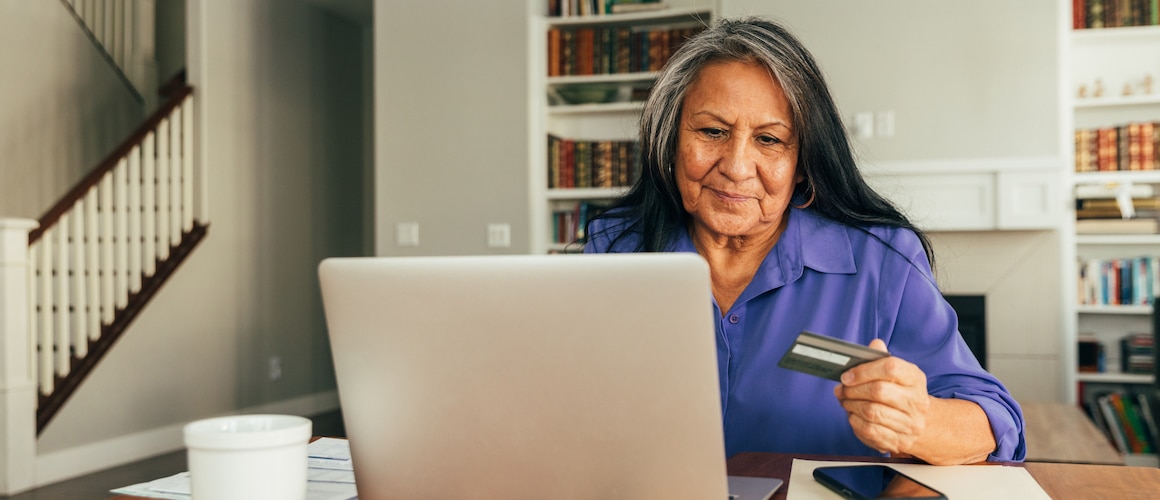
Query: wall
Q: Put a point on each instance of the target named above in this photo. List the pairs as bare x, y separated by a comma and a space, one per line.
62, 107
281, 92
169, 38
966, 81
451, 124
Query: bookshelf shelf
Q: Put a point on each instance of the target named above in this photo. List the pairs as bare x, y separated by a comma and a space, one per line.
1125, 33
669, 14
1136, 177
1118, 101
1114, 310
1115, 378
585, 193
1117, 239
613, 78
611, 107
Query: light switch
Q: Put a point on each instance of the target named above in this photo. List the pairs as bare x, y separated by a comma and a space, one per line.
407, 234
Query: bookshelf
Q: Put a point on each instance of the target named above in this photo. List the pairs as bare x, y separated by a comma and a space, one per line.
585, 108
1112, 87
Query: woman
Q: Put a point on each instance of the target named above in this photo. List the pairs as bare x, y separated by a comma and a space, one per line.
746, 162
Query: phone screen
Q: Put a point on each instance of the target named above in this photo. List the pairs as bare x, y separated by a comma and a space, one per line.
872, 481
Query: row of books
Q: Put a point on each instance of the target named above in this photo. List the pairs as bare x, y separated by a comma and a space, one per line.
1131, 281
1127, 419
1132, 146
1114, 13
1137, 353
613, 50
569, 225
592, 164
1092, 208
571, 8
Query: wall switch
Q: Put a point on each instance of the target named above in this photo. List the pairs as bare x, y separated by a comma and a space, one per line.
864, 125
499, 235
884, 124
407, 234
275, 368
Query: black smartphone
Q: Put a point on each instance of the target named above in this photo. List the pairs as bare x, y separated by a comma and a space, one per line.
871, 481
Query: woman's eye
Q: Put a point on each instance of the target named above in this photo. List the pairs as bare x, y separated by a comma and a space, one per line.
768, 140
713, 132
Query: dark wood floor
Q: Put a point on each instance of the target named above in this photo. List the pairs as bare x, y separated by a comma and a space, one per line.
96, 486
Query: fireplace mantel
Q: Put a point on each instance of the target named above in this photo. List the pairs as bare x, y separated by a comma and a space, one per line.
989, 194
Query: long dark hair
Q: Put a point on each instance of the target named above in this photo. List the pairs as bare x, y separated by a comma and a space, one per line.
833, 185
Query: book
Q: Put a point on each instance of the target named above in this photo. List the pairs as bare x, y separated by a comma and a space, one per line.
1113, 421
1090, 355
1116, 226
1146, 415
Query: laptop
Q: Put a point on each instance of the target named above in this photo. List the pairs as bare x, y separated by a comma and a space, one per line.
513, 377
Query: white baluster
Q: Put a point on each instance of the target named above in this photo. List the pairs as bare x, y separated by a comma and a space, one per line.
121, 233
97, 20
47, 373
163, 189
149, 203
93, 255
187, 166
201, 186
134, 203
127, 54
78, 281
175, 180
33, 296
61, 302
107, 296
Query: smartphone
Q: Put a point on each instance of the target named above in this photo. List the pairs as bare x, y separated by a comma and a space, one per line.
873, 481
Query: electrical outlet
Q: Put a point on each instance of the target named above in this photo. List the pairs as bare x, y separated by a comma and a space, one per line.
499, 235
864, 125
884, 124
275, 368
407, 234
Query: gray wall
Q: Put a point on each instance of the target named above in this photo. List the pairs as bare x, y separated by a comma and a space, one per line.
281, 95
451, 124
971, 79
169, 38
62, 107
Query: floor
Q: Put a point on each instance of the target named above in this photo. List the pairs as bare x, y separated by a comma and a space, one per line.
96, 486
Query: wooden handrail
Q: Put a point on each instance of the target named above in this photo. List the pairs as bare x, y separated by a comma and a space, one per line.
78, 191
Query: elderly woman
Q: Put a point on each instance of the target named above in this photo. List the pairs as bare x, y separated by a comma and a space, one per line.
746, 162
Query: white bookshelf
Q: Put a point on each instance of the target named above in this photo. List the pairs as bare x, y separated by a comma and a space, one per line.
604, 121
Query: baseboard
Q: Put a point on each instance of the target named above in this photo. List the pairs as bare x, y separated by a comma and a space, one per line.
85, 459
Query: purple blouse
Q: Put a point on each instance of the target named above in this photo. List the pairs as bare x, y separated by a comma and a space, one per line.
843, 282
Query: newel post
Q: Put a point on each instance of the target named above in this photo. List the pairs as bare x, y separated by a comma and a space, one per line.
17, 382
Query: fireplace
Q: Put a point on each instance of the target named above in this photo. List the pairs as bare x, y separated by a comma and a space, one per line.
971, 310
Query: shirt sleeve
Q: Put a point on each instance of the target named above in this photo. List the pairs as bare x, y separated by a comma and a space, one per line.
924, 330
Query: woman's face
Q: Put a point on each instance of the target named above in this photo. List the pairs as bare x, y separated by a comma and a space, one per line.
736, 163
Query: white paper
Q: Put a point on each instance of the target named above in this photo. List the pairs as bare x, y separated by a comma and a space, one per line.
960, 482
329, 476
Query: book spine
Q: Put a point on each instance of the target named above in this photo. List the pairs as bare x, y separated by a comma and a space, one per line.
1114, 426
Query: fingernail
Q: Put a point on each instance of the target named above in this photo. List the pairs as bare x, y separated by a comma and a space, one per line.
847, 378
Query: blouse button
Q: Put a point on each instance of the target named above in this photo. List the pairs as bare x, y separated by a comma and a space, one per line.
733, 318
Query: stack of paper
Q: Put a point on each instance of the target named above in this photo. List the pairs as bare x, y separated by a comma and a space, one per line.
329, 476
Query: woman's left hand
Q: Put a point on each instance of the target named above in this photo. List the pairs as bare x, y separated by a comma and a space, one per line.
886, 401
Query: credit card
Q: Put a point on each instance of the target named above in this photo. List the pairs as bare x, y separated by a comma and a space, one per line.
826, 357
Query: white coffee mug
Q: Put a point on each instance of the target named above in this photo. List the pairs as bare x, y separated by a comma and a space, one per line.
251, 457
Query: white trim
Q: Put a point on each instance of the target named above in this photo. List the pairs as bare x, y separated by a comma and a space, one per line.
78, 461
963, 165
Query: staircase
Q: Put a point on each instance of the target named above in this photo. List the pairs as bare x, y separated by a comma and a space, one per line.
73, 281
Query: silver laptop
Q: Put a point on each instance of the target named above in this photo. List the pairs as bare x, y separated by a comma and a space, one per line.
513, 377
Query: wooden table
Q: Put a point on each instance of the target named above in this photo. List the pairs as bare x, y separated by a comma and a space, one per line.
1061, 432
1060, 481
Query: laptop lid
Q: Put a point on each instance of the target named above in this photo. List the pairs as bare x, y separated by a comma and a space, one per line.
578, 376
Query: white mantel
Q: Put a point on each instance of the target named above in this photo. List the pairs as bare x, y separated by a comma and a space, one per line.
974, 194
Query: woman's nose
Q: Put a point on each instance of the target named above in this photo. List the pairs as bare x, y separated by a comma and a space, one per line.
737, 159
